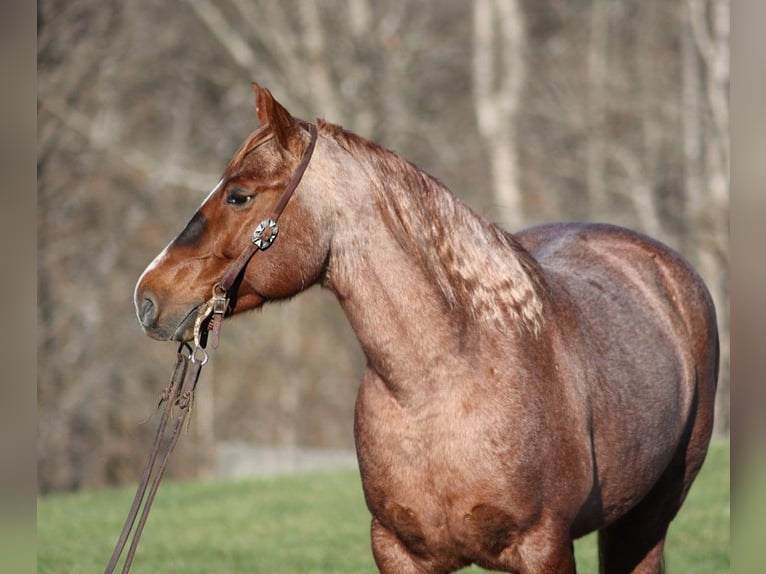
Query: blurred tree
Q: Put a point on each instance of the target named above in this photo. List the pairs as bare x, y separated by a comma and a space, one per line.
706, 145
499, 68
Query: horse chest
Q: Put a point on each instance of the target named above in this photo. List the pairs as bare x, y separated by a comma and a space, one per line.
446, 475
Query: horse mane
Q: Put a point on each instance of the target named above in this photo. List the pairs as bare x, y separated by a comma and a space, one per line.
479, 269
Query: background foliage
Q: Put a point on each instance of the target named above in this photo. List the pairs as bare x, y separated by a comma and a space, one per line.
531, 111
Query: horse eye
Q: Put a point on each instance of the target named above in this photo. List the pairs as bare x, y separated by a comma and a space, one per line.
238, 197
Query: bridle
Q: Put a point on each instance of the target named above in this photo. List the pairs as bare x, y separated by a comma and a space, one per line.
190, 360
266, 231
263, 236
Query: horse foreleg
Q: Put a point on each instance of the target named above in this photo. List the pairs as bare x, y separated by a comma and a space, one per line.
391, 556
545, 549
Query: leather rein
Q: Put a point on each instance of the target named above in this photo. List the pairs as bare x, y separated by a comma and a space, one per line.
190, 360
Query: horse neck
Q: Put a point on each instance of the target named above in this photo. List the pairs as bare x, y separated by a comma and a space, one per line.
396, 312
417, 273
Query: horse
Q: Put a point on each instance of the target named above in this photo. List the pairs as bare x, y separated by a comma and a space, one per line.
520, 390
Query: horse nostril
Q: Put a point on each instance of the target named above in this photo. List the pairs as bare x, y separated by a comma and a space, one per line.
148, 311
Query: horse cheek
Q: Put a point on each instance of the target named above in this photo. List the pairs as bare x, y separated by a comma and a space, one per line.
283, 273
301, 261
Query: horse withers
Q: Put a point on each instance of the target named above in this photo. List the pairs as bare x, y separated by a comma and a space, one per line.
521, 390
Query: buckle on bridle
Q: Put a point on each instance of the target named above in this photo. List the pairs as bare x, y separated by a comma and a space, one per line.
215, 309
265, 234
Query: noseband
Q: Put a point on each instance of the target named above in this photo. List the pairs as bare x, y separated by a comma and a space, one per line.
189, 362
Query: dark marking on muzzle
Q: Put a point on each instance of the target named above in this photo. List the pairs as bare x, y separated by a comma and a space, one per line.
193, 231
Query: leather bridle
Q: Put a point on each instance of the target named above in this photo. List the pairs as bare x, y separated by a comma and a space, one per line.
266, 231
190, 360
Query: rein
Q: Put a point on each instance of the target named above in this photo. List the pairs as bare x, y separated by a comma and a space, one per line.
189, 362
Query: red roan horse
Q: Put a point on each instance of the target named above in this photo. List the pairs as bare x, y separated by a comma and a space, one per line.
520, 391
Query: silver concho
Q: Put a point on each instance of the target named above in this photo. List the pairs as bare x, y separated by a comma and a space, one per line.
265, 234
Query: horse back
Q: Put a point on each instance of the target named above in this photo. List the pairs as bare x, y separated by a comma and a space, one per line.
620, 280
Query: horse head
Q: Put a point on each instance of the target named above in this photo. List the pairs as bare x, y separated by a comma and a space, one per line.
182, 277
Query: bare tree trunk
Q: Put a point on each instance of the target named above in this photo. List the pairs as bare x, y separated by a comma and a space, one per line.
651, 148
710, 26
225, 33
317, 68
639, 190
359, 17
597, 73
690, 107
498, 79
708, 160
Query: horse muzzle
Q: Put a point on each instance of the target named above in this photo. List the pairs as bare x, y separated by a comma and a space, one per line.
163, 323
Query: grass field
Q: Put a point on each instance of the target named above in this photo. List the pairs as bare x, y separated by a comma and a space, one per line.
308, 523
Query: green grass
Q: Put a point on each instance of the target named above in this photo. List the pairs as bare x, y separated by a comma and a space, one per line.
308, 523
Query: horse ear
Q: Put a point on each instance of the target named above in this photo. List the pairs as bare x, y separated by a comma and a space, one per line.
271, 112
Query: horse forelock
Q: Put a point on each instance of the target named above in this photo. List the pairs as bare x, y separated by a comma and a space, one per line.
479, 269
